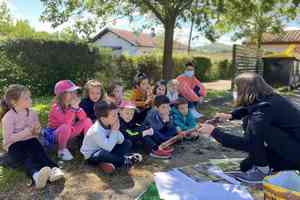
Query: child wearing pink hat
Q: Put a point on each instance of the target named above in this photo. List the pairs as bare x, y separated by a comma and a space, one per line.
66, 118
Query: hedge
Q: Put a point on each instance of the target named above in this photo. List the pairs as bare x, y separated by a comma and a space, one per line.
40, 63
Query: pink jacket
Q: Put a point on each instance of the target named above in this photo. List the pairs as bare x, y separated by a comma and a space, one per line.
186, 86
57, 117
15, 126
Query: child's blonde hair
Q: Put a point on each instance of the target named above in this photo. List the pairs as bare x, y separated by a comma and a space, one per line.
92, 84
11, 95
172, 82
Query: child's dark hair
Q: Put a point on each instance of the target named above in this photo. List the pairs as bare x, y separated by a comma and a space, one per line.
102, 108
13, 93
161, 99
158, 84
111, 87
92, 84
139, 77
180, 101
189, 64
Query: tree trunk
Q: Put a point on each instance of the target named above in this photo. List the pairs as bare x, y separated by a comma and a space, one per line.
168, 49
190, 35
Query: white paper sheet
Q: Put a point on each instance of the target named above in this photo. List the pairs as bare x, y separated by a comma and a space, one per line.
174, 185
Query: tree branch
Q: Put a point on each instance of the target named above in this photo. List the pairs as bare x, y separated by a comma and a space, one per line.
153, 9
183, 7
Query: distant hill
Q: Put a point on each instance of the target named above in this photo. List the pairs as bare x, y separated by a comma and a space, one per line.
214, 48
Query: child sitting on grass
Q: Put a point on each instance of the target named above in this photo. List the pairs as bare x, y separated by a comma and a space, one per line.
104, 145
66, 119
21, 128
92, 94
138, 133
183, 118
160, 120
160, 88
172, 91
142, 96
115, 93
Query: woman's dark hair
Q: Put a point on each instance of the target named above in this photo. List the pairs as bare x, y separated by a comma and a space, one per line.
251, 87
139, 77
102, 108
161, 99
158, 84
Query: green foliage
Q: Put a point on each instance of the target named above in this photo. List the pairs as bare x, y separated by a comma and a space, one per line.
202, 67
226, 70
39, 64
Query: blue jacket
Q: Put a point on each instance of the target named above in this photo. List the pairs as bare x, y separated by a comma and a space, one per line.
183, 122
162, 131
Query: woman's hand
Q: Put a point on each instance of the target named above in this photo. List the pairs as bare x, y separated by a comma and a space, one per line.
148, 132
206, 129
223, 117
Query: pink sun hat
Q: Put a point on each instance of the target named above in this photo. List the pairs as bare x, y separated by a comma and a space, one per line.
127, 104
65, 86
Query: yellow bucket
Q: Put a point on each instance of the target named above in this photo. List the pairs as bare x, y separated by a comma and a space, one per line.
274, 192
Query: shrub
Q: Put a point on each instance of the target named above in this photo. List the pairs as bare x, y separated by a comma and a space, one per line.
39, 63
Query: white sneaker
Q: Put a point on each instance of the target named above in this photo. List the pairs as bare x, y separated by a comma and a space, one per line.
56, 174
65, 154
41, 177
195, 113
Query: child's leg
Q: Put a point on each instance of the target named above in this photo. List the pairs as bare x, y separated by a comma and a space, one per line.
62, 135
122, 149
103, 156
149, 144
20, 154
39, 154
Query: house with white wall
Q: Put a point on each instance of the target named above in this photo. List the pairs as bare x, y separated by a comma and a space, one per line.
123, 41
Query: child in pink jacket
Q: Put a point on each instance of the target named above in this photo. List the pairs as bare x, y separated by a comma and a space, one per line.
66, 118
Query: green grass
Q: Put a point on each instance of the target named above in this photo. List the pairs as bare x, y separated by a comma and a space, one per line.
9, 177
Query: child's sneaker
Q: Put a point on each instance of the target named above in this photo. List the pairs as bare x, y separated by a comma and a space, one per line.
41, 177
168, 150
56, 174
107, 167
159, 153
135, 157
65, 154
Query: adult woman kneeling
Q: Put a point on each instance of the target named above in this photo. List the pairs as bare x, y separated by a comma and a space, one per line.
272, 129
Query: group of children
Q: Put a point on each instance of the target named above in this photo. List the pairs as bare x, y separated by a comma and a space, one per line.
112, 126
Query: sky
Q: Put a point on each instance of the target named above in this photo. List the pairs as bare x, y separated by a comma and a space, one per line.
31, 10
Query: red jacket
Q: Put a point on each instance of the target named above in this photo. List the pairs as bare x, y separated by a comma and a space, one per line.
186, 86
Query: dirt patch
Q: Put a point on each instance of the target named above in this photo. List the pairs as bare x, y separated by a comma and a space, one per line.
218, 85
85, 182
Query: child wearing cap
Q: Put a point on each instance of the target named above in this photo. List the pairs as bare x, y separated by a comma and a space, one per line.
104, 145
66, 118
138, 133
92, 93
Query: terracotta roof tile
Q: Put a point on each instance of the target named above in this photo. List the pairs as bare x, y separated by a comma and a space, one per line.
291, 36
